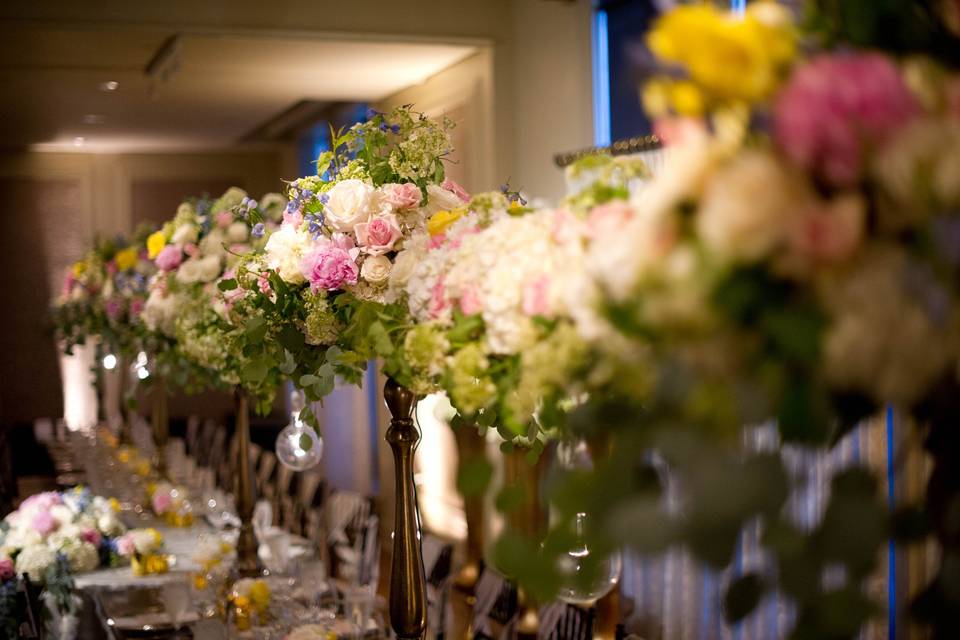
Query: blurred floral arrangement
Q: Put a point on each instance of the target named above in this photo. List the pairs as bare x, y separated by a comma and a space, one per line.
144, 548
103, 295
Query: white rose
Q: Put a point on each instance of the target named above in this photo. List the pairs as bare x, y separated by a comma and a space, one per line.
439, 199
285, 250
185, 234
62, 513
238, 232
34, 561
108, 524
349, 203
199, 270
743, 214
376, 269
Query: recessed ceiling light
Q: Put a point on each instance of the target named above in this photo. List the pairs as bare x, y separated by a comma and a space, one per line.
78, 141
109, 85
94, 118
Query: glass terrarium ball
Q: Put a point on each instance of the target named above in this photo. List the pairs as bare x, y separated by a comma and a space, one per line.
579, 585
299, 447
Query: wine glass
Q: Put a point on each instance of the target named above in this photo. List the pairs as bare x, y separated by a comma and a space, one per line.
581, 583
175, 595
298, 445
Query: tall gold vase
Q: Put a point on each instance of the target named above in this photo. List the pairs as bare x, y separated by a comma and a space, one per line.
161, 424
248, 564
470, 446
408, 590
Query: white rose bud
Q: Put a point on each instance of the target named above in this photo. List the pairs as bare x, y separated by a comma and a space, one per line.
376, 269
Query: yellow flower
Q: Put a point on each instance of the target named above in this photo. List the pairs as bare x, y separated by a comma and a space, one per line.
260, 594
686, 98
126, 259
731, 58
199, 581
441, 220
155, 243
656, 97
78, 268
114, 504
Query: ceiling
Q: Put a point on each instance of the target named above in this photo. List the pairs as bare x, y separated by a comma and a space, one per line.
189, 90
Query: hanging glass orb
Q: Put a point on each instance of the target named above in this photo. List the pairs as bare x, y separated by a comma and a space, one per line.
298, 445
586, 576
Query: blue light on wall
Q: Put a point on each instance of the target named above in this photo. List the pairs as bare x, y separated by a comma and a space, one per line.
601, 80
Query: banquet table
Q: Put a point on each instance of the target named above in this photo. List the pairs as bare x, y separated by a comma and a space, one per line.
179, 545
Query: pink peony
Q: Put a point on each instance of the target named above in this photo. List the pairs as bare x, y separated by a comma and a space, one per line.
92, 536
470, 302
401, 196
224, 219
378, 236
6, 569
41, 501
44, 523
536, 296
456, 189
169, 258
836, 108
161, 502
331, 265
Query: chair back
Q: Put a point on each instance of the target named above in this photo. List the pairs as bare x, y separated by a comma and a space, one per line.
438, 565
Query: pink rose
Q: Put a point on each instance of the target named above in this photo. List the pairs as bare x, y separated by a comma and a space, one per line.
190, 249
401, 196
125, 546
378, 236
161, 502
536, 296
136, 307
456, 189
92, 536
44, 523
263, 282
607, 219
331, 265
169, 258
470, 302
112, 267
224, 219
6, 569
113, 308
829, 231
838, 106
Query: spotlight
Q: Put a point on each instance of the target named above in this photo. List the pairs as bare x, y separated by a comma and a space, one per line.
78, 141
109, 362
109, 85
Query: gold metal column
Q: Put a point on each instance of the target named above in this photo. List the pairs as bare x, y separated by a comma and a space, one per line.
408, 590
248, 564
161, 424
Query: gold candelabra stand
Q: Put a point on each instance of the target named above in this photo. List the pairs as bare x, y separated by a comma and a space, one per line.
248, 564
408, 592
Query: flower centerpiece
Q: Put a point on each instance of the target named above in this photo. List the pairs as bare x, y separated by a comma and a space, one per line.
193, 344
249, 597
172, 503
144, 548
316, 301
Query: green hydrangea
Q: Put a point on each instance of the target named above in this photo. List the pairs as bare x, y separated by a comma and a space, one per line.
320, 325
425, 348
469, 386
547, 368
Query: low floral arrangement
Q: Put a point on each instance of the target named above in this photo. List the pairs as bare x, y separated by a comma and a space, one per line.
249, 597
74, 524
144, 548
172, 503
104, 294
192, 343
316, 302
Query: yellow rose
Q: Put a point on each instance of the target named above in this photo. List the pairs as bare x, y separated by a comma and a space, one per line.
155, 243
126, 259
441, 220
260, 594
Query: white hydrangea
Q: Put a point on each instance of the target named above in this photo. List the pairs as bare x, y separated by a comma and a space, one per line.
81, 556
185, 234
205, 269
160, 311
34, 561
